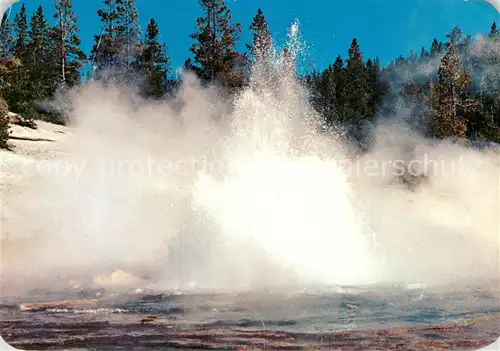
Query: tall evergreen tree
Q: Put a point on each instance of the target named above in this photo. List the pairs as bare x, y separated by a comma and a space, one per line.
338, 71
6, 37
416, 99
455, 36
106, 50
328, 92
424, 53
39, 40
494, 33
356, 84
374, 87
116, 46
215, 55
461, 43
153, 63
449, 102
39, 65
21, 33
128, 31
436, 48
262, 40
67, 55
15, 85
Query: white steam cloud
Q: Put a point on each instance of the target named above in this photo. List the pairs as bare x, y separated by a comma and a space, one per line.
242, 195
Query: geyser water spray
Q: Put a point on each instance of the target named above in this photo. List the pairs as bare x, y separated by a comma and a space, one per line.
242, 194
282, 191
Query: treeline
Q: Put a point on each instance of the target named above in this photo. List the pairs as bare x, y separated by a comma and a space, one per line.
50, 58
450, 90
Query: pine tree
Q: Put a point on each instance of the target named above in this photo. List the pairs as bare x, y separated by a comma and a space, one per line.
67, 55
6, 38
455, 36
39, 40
461, 42
424, 53
262, 40
328, 91
40, 63
21, 34
338, 72
115, 48
449, 101
16, 80
215, 56
356, 85
313, 82
494, 31
416, 98
128, 31
153, 63
374, 87
105, 51
436, 48
32, 80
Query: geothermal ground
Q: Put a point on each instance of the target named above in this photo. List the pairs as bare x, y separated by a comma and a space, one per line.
121, 310
349, 319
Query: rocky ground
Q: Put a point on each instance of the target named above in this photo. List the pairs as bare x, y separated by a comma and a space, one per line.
145, 332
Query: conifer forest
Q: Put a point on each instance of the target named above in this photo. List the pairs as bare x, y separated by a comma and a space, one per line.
447, 90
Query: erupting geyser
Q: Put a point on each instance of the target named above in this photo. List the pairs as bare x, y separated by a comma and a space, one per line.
275, 200
283, 188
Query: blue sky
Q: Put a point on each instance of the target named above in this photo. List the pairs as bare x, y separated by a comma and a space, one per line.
385, 28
